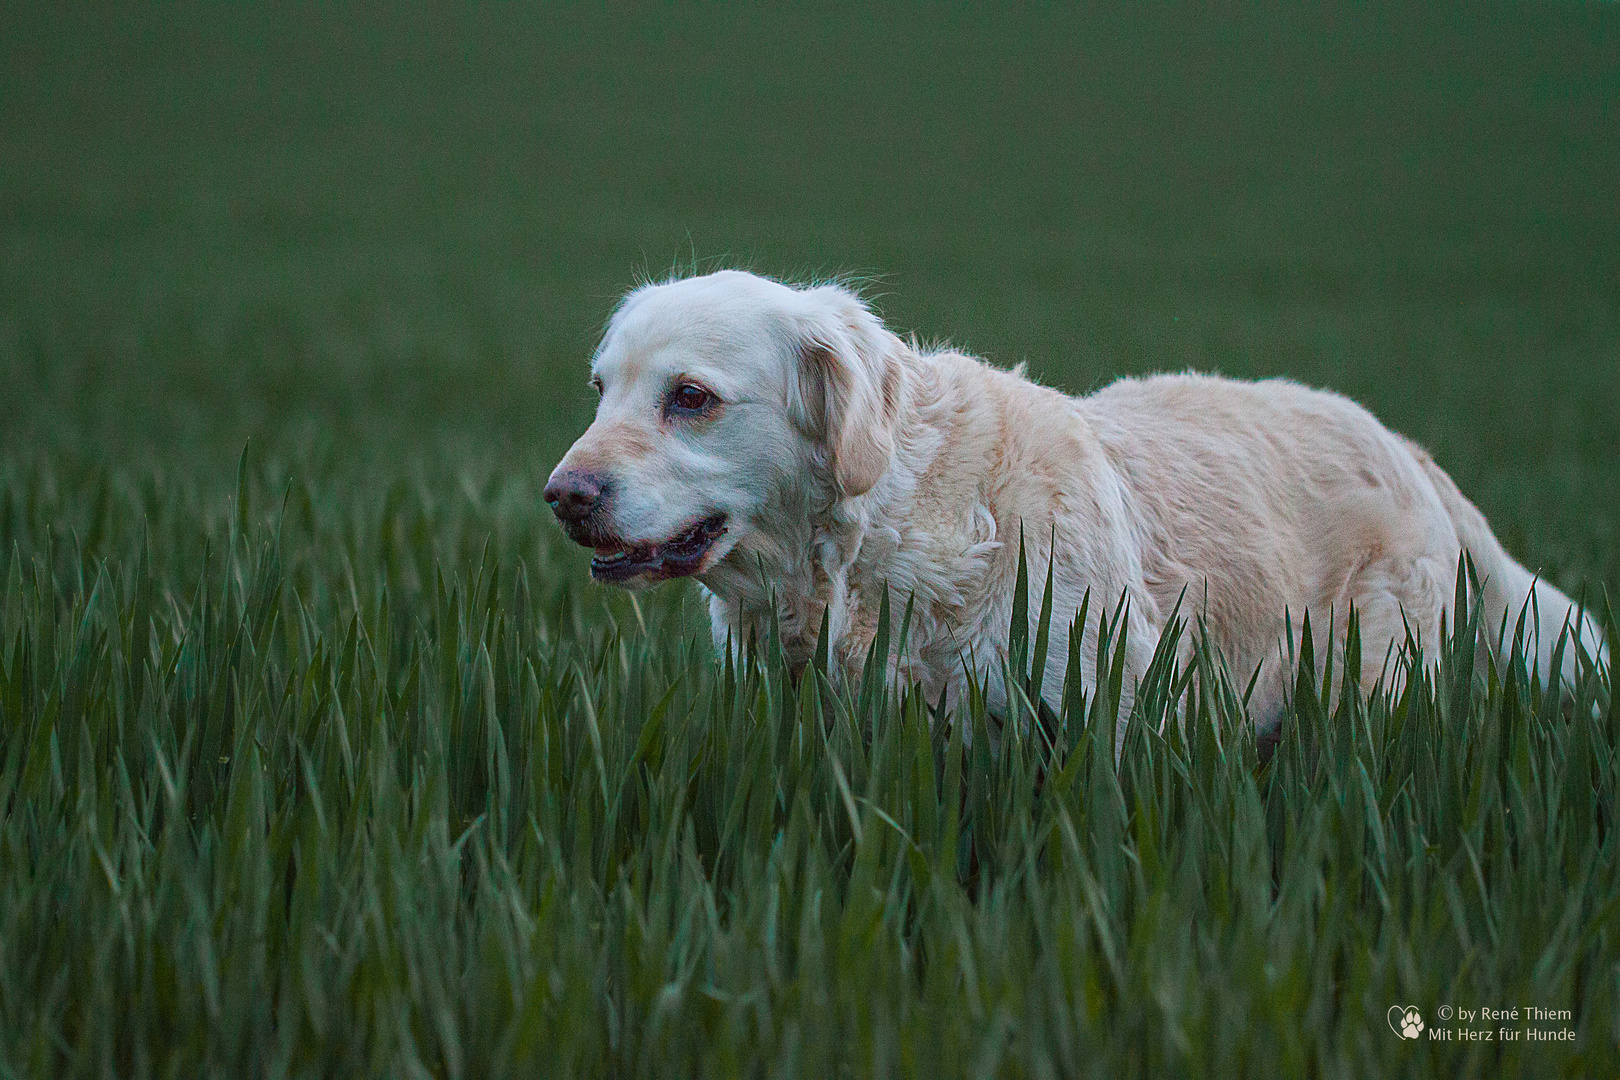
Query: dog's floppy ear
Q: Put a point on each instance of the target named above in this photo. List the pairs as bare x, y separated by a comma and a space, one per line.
848, 385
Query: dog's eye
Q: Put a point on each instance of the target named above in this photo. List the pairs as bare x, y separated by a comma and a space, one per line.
689, 397
596, 384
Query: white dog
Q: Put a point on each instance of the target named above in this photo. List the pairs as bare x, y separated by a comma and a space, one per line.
785, 448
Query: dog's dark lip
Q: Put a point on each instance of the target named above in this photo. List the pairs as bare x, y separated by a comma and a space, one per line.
680, 556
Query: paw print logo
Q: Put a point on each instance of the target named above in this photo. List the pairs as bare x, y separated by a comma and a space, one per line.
1405, 1021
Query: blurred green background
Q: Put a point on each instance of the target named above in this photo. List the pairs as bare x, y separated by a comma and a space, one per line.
385, 239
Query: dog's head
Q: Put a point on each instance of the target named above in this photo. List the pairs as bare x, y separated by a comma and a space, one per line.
726, 401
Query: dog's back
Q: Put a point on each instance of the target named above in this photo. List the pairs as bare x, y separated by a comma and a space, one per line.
1265, 497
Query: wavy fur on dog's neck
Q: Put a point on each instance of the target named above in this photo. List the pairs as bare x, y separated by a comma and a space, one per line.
939, 527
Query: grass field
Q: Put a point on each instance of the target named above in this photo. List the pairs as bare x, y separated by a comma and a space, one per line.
323, 757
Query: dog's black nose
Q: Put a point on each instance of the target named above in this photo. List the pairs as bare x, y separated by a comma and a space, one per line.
573, 495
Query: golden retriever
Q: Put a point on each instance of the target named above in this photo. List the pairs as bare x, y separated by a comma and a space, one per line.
782, 446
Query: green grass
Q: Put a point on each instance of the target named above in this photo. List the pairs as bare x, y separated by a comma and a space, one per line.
345, 805
325, 758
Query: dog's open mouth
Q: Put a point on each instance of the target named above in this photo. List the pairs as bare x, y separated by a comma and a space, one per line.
676, 557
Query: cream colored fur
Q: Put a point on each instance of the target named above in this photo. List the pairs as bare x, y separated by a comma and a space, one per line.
848, 460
